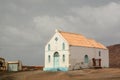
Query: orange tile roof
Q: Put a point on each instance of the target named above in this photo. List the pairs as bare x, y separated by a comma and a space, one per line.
79, 40
96, 44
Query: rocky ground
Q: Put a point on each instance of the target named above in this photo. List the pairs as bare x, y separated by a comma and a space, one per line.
85, 74
114, 55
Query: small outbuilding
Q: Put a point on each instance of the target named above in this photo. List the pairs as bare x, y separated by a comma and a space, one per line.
14, 66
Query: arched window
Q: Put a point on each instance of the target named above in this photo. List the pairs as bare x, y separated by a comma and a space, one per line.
63, 58
63, 46
48, 47
49, 58
56, 54
86, 59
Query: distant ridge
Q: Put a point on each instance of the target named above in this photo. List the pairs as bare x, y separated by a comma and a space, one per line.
114, 56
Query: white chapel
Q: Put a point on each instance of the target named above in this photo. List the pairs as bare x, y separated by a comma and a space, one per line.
70, 51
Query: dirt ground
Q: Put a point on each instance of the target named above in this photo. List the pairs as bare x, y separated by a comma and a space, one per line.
85, 74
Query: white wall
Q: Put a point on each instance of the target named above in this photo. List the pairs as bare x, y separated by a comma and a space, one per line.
56, 46
105, 58
77, 57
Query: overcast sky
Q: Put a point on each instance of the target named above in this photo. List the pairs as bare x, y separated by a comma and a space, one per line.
27, 25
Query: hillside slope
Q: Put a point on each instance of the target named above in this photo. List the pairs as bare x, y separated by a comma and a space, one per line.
114, 56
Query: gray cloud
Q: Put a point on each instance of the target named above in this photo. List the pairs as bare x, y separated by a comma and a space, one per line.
27, 25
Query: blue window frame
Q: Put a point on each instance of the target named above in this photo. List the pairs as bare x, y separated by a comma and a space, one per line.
63, 46
48, 47
63, 58
86, 59
49, 58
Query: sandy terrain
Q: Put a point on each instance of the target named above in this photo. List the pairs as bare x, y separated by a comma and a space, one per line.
85, 74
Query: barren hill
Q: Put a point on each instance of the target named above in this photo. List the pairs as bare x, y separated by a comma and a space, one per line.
114, 56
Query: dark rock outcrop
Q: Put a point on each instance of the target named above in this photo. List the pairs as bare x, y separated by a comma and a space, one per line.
114, 55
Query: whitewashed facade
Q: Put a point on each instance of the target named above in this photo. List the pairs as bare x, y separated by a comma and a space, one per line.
62, 55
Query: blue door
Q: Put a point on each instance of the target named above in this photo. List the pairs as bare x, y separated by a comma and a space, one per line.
56, 60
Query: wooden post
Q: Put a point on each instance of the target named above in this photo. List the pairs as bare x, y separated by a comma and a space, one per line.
99, 62
94, 62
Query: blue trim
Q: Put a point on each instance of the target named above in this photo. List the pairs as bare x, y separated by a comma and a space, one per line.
56, 69
63, 69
